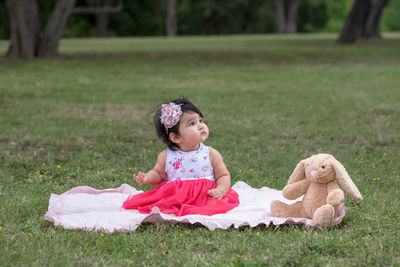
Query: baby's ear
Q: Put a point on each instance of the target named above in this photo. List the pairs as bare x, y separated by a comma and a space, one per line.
174, 138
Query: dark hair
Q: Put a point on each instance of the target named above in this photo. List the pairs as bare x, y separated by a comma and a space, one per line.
162, 132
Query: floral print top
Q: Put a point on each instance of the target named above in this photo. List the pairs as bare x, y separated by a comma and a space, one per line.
190, 165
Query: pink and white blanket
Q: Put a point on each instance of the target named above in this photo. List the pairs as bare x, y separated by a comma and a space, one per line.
86, 208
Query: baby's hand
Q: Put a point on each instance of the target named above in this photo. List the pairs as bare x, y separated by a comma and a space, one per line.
140, 178
216, 193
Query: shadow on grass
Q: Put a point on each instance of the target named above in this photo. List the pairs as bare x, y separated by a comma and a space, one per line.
236, 58
283, 228
276, 52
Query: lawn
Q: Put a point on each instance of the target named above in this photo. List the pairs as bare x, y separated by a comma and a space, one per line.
270, 101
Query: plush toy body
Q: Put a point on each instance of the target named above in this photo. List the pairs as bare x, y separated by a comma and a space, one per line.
315, 178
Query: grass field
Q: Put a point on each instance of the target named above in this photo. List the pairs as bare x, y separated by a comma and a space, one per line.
270, 101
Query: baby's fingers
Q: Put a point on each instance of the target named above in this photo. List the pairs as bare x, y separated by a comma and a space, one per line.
215, 194
138, 178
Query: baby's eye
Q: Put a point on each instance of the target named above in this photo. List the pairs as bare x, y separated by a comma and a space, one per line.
192, 123
323, 167
201, 120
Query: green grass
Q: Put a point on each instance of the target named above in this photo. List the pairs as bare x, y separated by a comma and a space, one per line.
269, 101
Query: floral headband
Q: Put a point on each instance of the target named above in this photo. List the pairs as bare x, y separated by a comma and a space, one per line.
170, 114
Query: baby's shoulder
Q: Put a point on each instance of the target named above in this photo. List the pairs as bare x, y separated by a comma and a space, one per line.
215, 155
162, 157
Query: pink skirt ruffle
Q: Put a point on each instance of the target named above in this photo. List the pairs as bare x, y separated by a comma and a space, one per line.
183, 198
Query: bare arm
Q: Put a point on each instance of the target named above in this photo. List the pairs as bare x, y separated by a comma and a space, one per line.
156, 175
221, 174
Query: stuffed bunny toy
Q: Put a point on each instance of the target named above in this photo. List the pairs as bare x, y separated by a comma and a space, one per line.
314, 178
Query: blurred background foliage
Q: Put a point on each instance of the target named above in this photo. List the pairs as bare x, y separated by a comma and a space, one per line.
200, 17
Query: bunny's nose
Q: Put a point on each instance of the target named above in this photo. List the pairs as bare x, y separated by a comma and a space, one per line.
313, 173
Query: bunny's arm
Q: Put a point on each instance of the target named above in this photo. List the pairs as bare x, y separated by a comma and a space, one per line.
297, 189
335, 194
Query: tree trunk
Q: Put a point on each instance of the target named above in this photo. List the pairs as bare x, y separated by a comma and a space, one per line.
52, 34
249, 24
25, 29
101, 24
28, 41
280, 24
102, 20
171, 26
291, 26
355, 21
371, 29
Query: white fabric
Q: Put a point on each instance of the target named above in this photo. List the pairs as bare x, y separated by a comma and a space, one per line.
86, 208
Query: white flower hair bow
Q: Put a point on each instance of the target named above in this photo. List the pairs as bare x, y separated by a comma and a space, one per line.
170, 114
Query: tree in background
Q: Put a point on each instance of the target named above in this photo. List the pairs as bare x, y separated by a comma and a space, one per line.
363, 21
314, 15
170, 21
101, 9
28, 40
193, 17
138, 18
4, 20
224, 16
283, 25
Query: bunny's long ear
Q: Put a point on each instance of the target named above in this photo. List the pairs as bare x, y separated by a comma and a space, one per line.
345, 181
298, 173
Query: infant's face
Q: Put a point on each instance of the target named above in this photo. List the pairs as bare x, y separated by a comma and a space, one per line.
192, 131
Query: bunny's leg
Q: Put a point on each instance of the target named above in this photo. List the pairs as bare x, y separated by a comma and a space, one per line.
281, 209
324, 215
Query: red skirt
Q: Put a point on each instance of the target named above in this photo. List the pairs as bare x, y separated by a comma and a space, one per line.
183, 198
